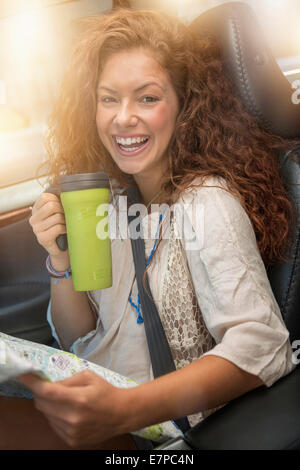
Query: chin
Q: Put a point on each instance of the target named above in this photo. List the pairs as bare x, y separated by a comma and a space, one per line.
130, 170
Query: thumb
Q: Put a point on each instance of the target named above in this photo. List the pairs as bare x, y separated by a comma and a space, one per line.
31, 381
80, 379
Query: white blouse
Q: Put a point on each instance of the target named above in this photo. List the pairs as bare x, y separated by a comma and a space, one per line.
234, 315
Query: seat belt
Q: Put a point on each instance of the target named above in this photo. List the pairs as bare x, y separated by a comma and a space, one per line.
159, 349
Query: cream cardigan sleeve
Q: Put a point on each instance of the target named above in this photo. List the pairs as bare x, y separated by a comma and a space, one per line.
231, 284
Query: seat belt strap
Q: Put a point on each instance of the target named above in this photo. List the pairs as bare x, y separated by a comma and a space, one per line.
159, 349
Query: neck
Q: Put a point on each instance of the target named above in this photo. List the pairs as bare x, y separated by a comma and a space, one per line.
149, 190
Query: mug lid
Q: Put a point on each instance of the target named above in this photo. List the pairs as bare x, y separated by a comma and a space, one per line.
99, 176
83, 181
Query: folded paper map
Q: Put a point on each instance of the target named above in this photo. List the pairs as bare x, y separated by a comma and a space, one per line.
19, 356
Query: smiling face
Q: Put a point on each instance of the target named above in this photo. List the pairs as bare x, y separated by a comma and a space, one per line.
136, 113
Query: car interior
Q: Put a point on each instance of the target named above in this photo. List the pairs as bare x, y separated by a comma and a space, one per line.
266, 418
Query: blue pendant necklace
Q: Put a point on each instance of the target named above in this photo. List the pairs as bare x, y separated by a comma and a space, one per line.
137, 306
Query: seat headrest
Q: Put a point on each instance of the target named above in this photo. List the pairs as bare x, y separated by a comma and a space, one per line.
262, 86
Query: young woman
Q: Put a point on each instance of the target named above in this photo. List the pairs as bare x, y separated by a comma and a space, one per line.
149, 102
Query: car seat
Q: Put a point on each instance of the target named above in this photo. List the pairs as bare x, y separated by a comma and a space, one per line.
265, 418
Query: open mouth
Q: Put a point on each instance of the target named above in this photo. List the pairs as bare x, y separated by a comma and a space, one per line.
131, 146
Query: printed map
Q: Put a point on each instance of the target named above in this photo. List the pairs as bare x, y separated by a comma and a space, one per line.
18, 356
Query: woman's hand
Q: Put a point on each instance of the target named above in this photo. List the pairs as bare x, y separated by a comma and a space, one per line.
48, 221
86, 410
83, 410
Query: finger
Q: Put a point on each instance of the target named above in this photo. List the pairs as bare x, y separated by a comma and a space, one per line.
44, 389
30, 380
46, 210
43, 199
49, 222
80, 379
58, 427
52, 408
48, 237
67, 434
61, 419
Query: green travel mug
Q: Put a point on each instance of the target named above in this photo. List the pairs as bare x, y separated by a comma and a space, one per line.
85, 199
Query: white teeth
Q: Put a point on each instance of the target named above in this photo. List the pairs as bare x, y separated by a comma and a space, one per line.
130, 141
130, 149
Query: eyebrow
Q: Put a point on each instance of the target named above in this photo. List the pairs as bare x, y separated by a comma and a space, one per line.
137, 89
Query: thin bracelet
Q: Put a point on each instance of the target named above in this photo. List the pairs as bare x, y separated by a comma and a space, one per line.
58, 275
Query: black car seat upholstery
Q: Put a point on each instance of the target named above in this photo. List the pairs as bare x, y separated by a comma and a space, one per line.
266, 418
24, 284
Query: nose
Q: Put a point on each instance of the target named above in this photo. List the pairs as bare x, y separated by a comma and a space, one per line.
125, 116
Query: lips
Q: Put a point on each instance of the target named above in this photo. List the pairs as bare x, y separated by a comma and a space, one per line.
131, 146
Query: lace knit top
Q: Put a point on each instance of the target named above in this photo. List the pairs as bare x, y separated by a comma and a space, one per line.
211, 290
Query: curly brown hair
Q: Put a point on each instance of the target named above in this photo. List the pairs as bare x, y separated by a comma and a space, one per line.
214, 135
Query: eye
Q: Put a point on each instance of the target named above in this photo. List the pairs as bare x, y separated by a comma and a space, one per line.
107, 99
149, 99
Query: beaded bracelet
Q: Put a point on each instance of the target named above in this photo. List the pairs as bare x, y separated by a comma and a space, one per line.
58, 275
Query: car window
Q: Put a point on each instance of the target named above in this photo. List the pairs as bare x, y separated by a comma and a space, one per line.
35, 40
